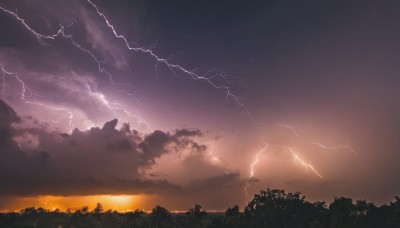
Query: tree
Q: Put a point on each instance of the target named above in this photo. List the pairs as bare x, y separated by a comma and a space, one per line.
232, 212
196, 212
135, 214
197, 217
342, 213
395, 206
84, 210
233, 218
98, 209
161, 217
275, 208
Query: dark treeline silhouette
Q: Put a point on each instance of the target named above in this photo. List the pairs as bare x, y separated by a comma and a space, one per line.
270, 208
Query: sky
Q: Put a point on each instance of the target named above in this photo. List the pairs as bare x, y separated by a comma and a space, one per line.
139, 103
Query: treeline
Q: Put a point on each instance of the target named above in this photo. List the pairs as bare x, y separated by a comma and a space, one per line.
270, 208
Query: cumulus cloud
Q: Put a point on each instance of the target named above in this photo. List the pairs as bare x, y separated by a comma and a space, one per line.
103, 160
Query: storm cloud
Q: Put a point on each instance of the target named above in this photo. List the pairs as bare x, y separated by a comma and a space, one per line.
290, 85
96, 161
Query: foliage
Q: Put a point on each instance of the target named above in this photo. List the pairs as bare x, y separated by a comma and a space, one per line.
275, 208
270, 208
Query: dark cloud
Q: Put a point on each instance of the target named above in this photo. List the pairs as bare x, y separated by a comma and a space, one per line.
187, 132
335, 79
7, 117
97, 161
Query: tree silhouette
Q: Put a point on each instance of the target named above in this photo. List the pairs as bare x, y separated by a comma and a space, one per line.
196, 212
342, 213
275, 208
161, 217
396, 211
233, 218
270, 208
197, 217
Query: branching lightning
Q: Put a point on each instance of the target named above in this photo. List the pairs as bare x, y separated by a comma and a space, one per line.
208, 76
24, 95
61, 31
39, 36
177, 70
174, 68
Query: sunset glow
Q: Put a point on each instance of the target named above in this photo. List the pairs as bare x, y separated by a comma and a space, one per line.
134, 104
73, 203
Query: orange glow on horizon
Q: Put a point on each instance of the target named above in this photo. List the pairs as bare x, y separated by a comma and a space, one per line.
63, 203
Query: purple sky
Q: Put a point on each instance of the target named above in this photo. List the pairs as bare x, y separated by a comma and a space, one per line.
189, 102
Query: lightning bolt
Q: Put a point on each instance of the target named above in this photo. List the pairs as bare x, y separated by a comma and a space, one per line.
61, 32
208, 76
339, 147
303, 163
291, 128
117, 107
177, 70
252, 165
24, 95
39, 36
256, 160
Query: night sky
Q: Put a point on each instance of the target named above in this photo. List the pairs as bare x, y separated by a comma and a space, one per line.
138, 103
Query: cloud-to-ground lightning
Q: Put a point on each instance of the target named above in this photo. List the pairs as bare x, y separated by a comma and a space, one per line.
177, 70
256, 160
252, 165
208, 76
303, 163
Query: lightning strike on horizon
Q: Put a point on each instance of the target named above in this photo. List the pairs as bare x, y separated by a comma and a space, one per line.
23, 97
208, 76
253, 163
303, 163
256, 160
175, 69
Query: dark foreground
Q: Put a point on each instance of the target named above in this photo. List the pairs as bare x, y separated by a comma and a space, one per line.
270, 208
